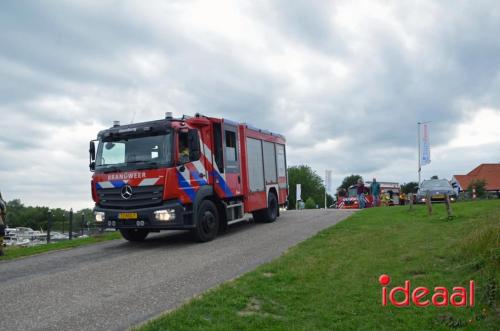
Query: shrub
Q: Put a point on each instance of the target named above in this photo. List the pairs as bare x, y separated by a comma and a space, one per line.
480, 185
310, 203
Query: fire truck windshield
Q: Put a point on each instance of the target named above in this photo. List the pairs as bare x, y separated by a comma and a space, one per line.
352, 192
134, 152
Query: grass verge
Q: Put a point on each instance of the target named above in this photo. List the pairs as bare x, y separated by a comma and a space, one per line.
12, 253
330, 282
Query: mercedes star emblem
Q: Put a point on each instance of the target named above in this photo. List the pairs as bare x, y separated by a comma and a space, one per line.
126, 192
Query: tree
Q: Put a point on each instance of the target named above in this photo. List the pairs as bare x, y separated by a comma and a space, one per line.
311, 186
479, 185
310, 203
26, 216
349, 181
435, 177
410, 187
19, 215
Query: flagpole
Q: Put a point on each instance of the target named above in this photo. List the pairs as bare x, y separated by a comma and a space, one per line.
427, 161
326, 175
419, 153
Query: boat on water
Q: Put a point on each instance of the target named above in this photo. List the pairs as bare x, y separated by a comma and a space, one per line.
23, 236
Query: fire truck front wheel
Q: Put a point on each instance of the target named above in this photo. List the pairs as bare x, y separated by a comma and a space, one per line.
134, 234
269, 214
207, 222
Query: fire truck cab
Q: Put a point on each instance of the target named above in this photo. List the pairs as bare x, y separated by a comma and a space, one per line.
193, 173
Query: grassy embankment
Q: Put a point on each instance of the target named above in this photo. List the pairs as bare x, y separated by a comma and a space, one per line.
18, 252
330, 282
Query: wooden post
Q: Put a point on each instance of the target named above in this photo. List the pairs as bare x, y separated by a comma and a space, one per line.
448, 207
428, 202
411, 200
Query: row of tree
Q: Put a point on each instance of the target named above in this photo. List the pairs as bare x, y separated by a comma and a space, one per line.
19, 215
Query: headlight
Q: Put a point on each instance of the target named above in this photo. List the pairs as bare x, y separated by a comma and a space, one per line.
165, 215
99, 216
452, 198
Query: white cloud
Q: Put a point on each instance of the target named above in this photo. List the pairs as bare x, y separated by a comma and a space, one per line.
481, 127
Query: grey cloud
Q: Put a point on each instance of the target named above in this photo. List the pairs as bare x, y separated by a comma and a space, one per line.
305, 22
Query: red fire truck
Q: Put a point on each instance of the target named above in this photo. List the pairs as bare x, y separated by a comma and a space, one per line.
196, 173
389, 195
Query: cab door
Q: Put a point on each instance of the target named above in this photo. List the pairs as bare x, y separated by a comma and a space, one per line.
232, 157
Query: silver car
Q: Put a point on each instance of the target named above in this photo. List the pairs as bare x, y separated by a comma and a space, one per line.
438, 188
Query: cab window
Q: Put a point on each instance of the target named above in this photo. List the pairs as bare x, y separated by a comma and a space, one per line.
183, 153
231, 152
189, 146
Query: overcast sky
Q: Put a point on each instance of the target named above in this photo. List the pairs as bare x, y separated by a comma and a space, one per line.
345, 81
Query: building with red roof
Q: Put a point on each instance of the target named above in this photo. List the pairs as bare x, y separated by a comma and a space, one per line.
489, 172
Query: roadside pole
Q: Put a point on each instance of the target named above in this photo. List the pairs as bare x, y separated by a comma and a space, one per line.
49, 225
328, 183
82, 224
70, 224
325, 199
298, 196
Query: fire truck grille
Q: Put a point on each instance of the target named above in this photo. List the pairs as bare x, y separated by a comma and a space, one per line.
142, 196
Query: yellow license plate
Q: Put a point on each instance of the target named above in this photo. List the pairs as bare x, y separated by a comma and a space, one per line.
127, 216
438, 196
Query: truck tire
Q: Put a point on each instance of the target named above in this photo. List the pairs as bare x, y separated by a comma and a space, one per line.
207, 222
269, 214
134, 234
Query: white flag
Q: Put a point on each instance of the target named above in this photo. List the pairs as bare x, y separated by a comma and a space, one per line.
328, 180
298, 197
425, 156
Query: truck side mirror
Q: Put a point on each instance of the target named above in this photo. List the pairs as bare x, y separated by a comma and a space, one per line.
194, 145
92, 156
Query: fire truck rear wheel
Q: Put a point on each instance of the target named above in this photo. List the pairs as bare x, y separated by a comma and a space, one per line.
134, 234
208, 222
269, 214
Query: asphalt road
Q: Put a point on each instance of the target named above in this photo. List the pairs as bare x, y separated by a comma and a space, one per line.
116, 285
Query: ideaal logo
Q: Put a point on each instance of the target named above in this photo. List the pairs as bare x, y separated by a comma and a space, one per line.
419, 296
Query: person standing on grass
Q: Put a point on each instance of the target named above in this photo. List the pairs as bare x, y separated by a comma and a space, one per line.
375, 192
361, 193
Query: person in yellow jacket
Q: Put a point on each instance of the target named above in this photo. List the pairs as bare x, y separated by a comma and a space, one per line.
386, 199
402, 199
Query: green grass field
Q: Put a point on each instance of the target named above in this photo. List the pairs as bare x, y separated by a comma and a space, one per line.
18, 252
330, 282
